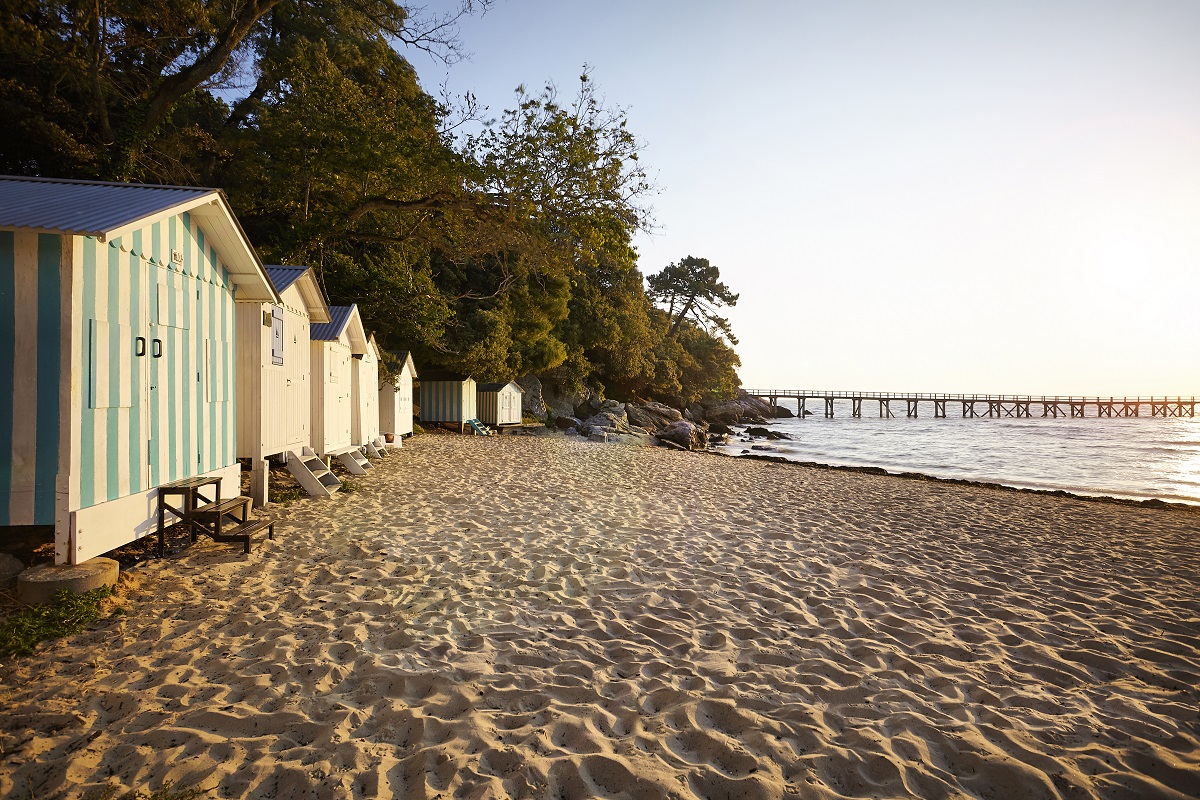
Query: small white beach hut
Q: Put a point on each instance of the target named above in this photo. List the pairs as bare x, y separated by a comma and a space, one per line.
448, 398
117, 347
500, 403
396, 399
334, 345
364, 421
274, 371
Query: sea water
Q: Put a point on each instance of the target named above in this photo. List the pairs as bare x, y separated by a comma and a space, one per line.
1136, 457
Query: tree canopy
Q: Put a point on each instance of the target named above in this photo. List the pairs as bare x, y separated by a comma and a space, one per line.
499, 246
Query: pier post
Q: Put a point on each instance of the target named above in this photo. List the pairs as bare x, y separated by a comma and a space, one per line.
856, 407
829, 407
939, 409
912, 408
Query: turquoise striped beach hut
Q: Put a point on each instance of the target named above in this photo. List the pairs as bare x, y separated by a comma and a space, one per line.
447, 398
117, 348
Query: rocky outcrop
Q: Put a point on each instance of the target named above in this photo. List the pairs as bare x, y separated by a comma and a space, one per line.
741, 409
782, 412
532, 401
567, 423
651, 416
685, 434
562, 402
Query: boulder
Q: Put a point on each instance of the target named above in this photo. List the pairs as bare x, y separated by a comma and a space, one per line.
566, 423
10, 568
651, 416
757, 431
719, 427
609, 419
685, 434
532, 401
776, 435
561, 401
670, 445
631, 439
782, 412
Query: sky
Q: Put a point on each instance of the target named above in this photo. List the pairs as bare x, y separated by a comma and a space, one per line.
909, 196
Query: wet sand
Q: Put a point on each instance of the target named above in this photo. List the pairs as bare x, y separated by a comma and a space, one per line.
533, 617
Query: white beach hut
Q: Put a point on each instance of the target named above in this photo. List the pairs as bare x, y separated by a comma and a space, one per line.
396, 400
117, 345
364, 422
334, 346
499, 403
274, 366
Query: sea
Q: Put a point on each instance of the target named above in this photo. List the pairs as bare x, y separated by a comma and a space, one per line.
1139, 458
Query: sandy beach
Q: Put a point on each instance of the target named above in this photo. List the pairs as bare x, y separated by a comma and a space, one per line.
540, 617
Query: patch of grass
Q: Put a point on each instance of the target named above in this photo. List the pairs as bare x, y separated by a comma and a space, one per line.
64, 615
529, 419
417, 429
285, 496
349, 486
167, 792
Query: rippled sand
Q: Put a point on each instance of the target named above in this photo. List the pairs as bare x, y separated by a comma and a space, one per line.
547, 618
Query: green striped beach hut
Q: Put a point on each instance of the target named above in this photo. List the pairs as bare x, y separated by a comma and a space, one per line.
500, 403
117, 352
447, 397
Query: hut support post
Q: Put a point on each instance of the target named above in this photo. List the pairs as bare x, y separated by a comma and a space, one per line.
259, 471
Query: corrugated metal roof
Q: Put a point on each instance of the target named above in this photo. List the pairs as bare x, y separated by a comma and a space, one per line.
87, 208
495, 387
339, 317
283, 277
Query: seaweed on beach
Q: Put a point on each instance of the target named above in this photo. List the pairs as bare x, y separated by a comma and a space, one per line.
64, 615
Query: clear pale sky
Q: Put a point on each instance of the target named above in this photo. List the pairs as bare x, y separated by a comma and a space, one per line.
927, 196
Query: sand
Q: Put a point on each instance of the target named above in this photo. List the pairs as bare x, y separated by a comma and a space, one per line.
550, 618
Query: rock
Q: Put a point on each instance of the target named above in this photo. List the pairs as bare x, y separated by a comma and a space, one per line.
566, 423
776, 435
766, 447
561, 401
632, 439
671, 445
719, 427
10, 568
596, 437
39, 584
611, 405
609, 419
757, 431
754, 419
782, 412
651, 416
718, 438
532, 401
694, 412
684, 433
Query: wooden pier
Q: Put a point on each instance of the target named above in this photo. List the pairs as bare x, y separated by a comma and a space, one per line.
986, 405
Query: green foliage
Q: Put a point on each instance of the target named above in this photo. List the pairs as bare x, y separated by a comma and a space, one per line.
66, 614
349, 486
497, 247
692, 291
166, 792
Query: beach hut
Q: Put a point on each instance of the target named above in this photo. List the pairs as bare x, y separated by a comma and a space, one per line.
364, 422
274, 366
334, 345
396, 400
500, 403
447, 398
117, 346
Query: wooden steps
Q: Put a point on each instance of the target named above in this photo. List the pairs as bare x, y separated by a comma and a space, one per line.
480, 429
311, 473
353, 460
244, 532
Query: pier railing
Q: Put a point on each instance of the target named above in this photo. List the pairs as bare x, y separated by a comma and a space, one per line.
997, 405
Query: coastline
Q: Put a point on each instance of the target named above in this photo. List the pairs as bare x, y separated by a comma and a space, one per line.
1147, 502
535, 616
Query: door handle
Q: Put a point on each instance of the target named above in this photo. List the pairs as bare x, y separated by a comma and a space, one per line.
157, 348
140, 346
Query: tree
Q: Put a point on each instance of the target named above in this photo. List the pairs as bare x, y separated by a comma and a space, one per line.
692, 290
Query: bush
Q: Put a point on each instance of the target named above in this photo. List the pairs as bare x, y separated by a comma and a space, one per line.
65, 615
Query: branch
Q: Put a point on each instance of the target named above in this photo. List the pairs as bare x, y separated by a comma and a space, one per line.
176, 85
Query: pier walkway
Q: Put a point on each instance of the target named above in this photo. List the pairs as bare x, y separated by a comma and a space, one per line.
986, 405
